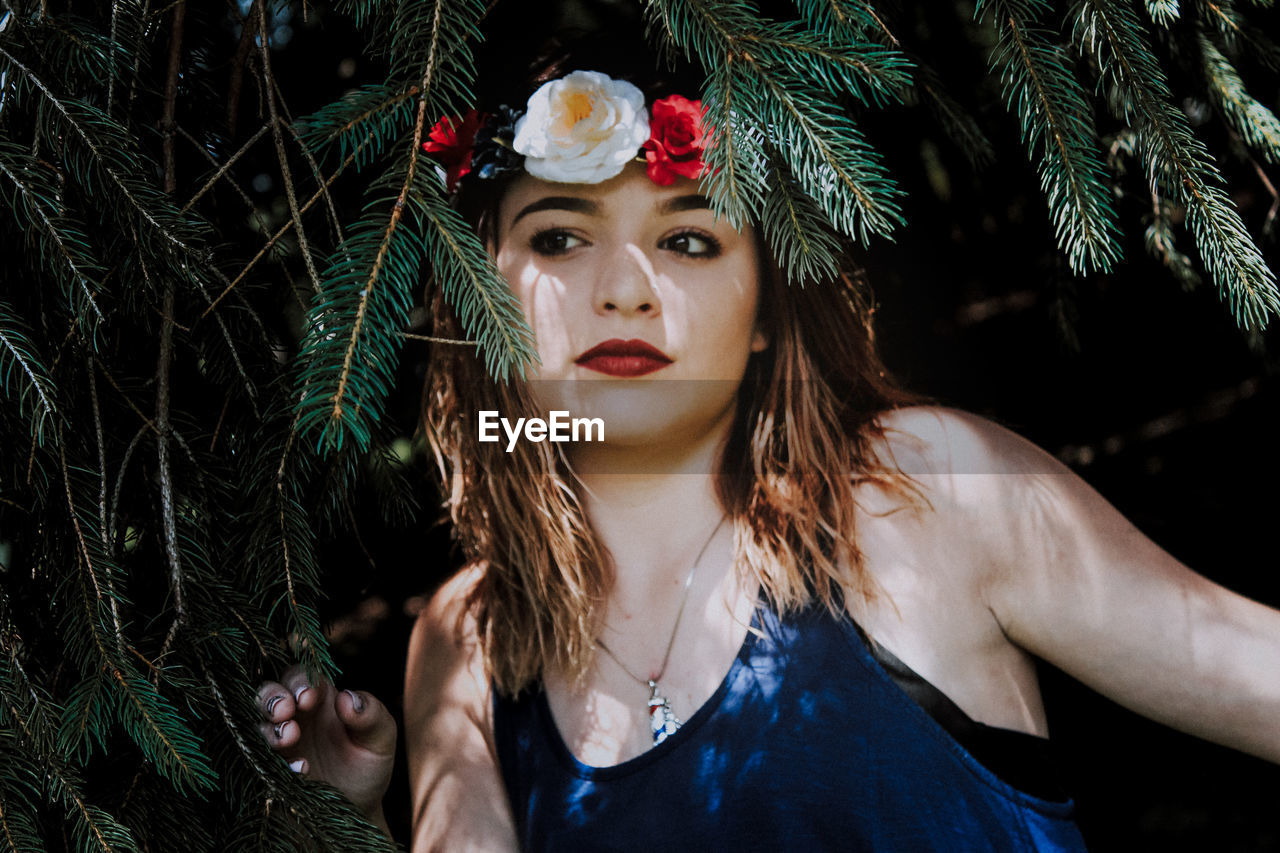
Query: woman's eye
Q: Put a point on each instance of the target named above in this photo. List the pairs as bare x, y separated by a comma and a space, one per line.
693, 243
554, 241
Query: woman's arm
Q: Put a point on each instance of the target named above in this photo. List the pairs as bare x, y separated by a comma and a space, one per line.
1072, 581
459, 803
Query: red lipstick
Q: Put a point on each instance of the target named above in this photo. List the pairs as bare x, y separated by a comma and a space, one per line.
617, 357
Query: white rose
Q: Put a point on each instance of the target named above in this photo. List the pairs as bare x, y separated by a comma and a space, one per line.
582, 129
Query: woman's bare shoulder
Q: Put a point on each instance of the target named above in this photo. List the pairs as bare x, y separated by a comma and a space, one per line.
444, 650
458, 799
940, 441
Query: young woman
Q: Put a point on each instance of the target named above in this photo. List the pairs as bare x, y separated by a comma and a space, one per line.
776, 605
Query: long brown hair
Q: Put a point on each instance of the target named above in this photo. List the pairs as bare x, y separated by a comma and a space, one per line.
802, 437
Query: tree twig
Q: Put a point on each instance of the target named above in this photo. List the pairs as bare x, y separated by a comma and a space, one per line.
284, 229
164, 462
171, 96
102, 498
269, 87
222, 169
248, 29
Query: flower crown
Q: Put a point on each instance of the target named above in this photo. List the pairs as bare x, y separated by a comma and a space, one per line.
580, 129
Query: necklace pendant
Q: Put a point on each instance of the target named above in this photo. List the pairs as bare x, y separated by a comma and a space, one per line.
662, 720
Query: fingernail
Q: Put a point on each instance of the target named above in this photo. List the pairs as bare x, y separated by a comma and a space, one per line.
296, 766
272, 703
279, 729
297, 694
357, 701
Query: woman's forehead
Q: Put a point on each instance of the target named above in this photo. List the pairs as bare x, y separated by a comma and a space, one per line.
631, 188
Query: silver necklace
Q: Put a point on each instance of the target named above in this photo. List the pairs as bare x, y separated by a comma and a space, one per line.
662, 720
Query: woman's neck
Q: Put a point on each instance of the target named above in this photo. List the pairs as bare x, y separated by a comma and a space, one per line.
656, 516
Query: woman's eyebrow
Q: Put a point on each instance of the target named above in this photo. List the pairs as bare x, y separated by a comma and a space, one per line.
558, 202
682, 203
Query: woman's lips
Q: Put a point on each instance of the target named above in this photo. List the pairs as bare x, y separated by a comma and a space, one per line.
623, 358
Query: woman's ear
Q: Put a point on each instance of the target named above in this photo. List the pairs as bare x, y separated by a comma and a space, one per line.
759, 339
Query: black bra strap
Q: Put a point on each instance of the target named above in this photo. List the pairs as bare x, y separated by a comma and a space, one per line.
1022, 760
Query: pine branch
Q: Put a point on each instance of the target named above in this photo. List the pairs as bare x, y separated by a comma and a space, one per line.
154, 724
102, 493
1221, 15
874, 74
832, 161
176, 582
78, 118
823, 148
1256, 124
364, 122
275, 238
23, 367
1056, 120
342, 397
223, 168
64, 241
734, 177
17, 817
1174, 158
795, 225
1163, 12
959, 126
841, 18
486, 305
282, 157
94, 829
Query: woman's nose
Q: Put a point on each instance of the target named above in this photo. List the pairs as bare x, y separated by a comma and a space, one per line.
626, 284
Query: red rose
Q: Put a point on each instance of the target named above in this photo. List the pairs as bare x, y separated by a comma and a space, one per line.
450, 143
676, 140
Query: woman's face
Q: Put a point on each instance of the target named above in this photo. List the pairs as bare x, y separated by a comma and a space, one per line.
637, 291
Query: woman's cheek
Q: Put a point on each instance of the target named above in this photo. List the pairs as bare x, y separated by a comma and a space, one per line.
541, 298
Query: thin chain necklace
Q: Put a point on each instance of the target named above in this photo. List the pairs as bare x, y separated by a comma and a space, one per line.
662, 720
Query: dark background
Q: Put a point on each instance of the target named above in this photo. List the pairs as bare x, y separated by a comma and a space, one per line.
1148, 391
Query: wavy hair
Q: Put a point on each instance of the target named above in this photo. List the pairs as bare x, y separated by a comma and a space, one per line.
802, 437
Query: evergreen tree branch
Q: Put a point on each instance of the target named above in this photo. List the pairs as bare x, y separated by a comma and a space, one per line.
1113, 37
223, 168
162, 460
331, 206
397, 210
373, 114
97, 829
1256, 124
1056, 119
826, 152
840, 17
487, 308
275, 238
17, 828
958, 124
844, 161
86, 557
115, 494
102, 496
734, 149
77, 125
20, 365
1222, 16
171, 97
797, 229
277, 135
69, 243
1163, 12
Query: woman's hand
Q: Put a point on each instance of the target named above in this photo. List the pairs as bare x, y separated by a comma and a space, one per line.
345, 738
